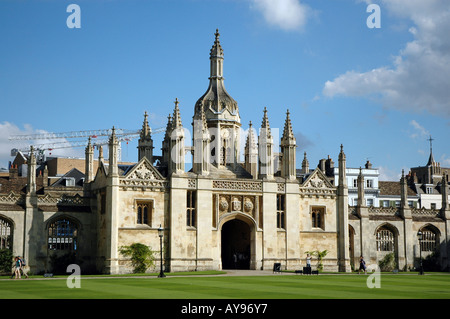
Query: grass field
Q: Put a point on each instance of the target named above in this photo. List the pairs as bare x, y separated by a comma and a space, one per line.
279, 286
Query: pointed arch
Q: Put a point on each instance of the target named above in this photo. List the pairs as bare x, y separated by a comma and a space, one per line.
63, 233
430, 237
386, 237
6, 232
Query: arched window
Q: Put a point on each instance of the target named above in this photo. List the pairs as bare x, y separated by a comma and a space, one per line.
429, 240
318, 217
63, 235
144, 212
385, 239
5, 234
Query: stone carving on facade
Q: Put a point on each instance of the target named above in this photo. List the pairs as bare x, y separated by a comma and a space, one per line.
281, 187
237, 185
142, 172
236, 204
223, 204
424, 212
385, 211
192, 183
11, 198
143, 176
317, 185
248, 205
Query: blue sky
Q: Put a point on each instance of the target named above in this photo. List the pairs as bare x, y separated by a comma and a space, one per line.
380, 92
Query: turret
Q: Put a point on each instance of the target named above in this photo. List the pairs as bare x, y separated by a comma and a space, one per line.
177, 149
251, 153
145, 143
201, 142
31, 175
89, 163
288, 145
113, 169
265, 149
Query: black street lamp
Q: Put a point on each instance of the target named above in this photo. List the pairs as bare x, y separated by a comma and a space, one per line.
420, 236
161, 234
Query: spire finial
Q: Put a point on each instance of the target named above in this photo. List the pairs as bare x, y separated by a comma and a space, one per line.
288, 133
431, 144
146, 131
176, 115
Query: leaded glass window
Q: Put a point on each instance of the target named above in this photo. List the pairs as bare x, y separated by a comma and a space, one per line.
63, 235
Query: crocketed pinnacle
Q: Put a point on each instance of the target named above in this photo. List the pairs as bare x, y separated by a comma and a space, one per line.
113, 138
342, 154
146, 130
176, 116
89, 147
203, 119
265, 124
169, 126
288, 132
216, 50
250, 143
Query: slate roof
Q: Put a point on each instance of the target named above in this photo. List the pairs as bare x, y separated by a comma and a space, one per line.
393, 189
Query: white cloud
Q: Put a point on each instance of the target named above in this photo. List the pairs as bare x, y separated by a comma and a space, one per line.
387, 174
418, 79
8, 129
285, 14
419, 130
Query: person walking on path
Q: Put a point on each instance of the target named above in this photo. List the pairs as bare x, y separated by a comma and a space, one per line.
18, 265
23, 267
362, 265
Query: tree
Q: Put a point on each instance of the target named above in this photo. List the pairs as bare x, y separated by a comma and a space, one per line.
320, 255
142, 256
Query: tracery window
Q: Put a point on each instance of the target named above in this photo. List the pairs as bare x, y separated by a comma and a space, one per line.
281, 211
5, 234
385, 239
318, 217
144, 212
63, 235
429, 240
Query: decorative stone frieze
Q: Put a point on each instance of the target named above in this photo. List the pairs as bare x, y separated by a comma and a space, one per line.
237, 185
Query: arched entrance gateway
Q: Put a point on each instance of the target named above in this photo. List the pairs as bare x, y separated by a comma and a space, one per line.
237, 244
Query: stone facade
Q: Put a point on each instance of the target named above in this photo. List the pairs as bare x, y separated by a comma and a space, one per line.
223, 213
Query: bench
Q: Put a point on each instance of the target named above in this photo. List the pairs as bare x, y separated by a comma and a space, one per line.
315, 272
299, 272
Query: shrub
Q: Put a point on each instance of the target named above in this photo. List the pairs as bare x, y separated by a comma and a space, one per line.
142, 257
320, 255
388, 263
6, 259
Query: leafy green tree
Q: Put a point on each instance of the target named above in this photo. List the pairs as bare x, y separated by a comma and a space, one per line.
320, 255
142, 257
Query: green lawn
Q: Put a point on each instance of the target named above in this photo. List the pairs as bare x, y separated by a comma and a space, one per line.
340, 286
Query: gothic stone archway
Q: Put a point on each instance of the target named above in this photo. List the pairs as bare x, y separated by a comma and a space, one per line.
236, 244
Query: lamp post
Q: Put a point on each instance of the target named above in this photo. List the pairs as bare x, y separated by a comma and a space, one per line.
161, 234
420, 236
